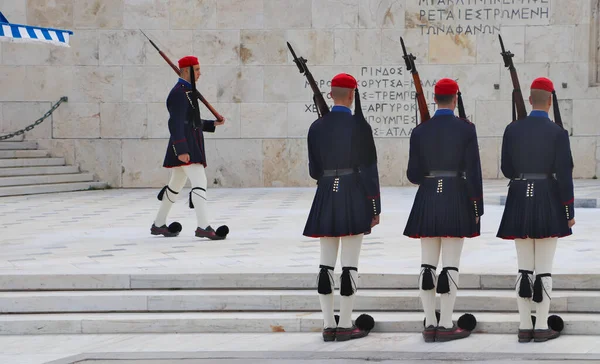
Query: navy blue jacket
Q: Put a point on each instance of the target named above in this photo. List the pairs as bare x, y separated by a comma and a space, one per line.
185, 138
535, 144
447, 143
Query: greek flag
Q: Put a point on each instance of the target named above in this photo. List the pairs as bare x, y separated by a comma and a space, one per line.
27, 33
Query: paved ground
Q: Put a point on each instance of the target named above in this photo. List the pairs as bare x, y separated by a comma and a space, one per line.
108, 232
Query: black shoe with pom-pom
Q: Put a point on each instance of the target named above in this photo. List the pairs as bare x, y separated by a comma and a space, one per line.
170, 231
211, 234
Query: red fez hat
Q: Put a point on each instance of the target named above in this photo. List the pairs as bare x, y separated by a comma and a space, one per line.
446, 86
344, 80
188, 61
542, 83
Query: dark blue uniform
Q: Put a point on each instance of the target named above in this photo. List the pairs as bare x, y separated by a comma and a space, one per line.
536, 157
185, 127
444, 162
343, 159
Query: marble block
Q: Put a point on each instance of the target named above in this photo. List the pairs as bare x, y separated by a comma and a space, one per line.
158, 120
36, 54
197, 14
584, 50
381, 14
566, 114
234, 162
240, 14
488, 45
146, 14
576, 76
335, 13
477, 82
14, 11
232, 127
489, 154
97, 84
237, 84
492, 117
541, 43
103, 158
85, 48
392, 161
285, 163
452, 49
584, 112
102, 14
52, 14
64, 148
57, 302
357, 47
299, 118
18, 115
142, 162
122, 47
585, 162
286, 84
314, 45
175, 44
263, 47
391, 48
123, 120
219, 302
263, 120
287, 14
527, 72
571, 11
217, 47
148, 84
76, 120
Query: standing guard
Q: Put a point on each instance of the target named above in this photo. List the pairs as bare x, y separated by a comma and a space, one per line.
186, 155
536, 157
343, 160
444, 162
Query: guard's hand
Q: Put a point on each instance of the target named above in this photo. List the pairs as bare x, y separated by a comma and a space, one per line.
219, 122
571, 223
375, 221
185, 158
477, 220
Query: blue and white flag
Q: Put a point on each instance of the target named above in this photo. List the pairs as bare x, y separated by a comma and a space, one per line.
27, 33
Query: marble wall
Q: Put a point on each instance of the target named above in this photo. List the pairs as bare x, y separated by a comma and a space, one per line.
115, 123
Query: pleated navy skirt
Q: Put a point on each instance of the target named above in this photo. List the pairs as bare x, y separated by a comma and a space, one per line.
339, 208
442, 209
533, 211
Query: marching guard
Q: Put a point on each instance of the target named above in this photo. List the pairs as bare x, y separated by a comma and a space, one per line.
185, 155
343, 160
444, 162
536, 157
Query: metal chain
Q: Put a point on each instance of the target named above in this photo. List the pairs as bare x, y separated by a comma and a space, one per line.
37, 122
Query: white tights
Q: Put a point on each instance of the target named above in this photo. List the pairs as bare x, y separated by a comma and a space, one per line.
535, 255
349, 258
430, 254
179, 176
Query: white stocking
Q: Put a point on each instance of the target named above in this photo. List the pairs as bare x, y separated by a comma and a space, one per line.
350, 253
177, 182
544, 257
329, 252
525, 262
451, 251
430, 256
197, 176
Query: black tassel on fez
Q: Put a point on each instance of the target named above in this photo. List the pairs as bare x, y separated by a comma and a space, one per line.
525, 284
324, 283
346, 280
427, 283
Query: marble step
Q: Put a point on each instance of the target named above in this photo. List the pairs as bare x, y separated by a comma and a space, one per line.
30, 171
255, 322
18, 145
158, 281
50, 188
271, 300
45, 179
31, 162
23, 153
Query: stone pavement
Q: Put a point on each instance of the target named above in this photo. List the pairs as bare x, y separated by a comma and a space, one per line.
108, 232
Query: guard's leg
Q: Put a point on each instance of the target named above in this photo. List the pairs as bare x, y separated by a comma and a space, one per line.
197, 176
168, 196
524, 287
351, 246
447, 286
329, 252
430, 256
542, 288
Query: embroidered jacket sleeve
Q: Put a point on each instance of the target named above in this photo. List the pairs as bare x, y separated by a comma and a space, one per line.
367, 157
564, 173
472, 165
178, 104
414, 172
314, 162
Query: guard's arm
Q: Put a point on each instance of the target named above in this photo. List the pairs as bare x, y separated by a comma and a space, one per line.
564, 173
473, 173
414, 172
208, 126
177, 104
314, 163
367, 154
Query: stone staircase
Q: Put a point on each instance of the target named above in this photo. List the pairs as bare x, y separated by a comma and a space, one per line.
261, 303
26, 170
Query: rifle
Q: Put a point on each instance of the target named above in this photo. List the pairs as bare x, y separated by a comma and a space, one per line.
176, 69
410, 66
321, 105
517, 95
